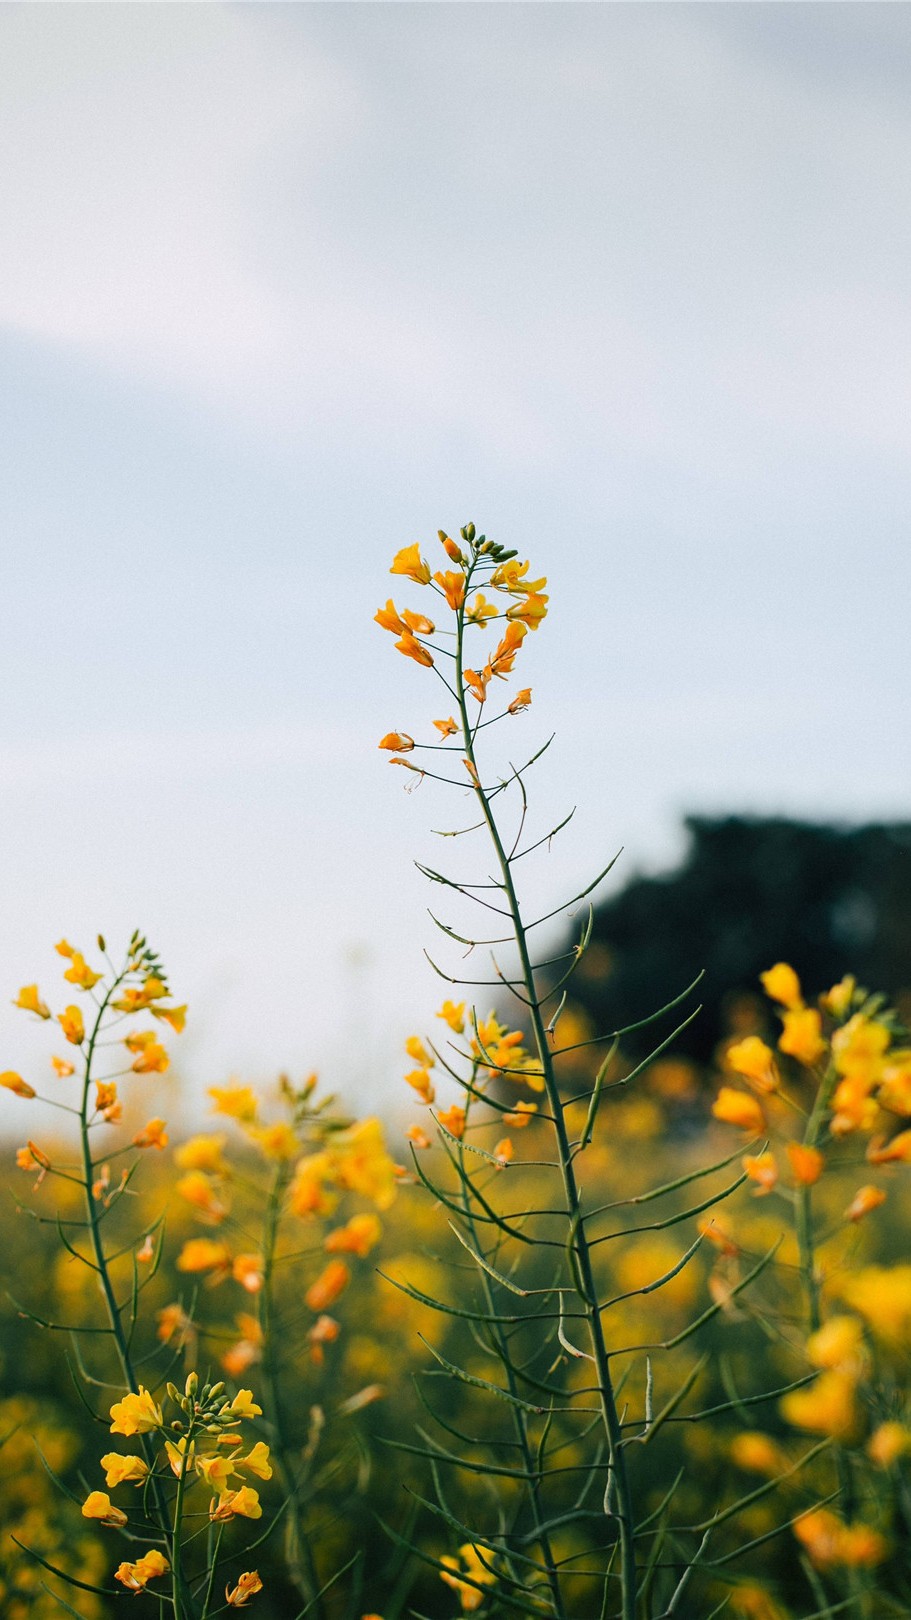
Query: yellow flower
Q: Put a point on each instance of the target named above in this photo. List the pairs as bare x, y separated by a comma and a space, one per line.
762, 1169
412, 648
828, 1406
358, 1236
79, 973
30, 1001
173, 1319
531, 611
247, 1586
807, 1163
64, 948
135, 1414
152, 1135
216, 1471
838, 1343
754, 1061
309, 1194
397, 742
469, 1563
453, 588
452, 550
479, 610
452, 1120
203, 1254
248, 1271
202, 1153
895, 1088
120, 1470
238, 1102
855, 1109
107, 1103
151, 1058
416, 1050
738, 1108
521, 1115
31, 1157
887, 1443
98, 1505
830, 1543
147, 1568
453, 1014
757, 1453
388, 619
421, 1082
781, 984
180, 1458
62, 1068
245, 1502
361, 1164
244, 1406
175, 1016
446, 728
476, 681
256, 1461
503, 659
838, 999
331, 1282
865, 1199
858, 1048
503, 1152
510, 576
414, 1134
196, 1188
882, 1295
72, 1025
801, 1036
522, 700
12, 1081
278, 1141
898, 1151
409, 562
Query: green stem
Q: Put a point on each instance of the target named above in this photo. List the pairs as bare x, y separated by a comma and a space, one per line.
298, 1551
107, 1288
585, 1284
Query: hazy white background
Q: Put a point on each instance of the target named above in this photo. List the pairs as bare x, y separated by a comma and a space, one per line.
284, 288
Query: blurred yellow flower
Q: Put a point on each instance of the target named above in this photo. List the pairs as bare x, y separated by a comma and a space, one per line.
247, 1270
453, 1014
153, 1134
858, 1048
469, 1564
361, 1164
758, 1453
446, 728
62, 1068
420, 1081
278, 1141
202, 1153
11, 1081
79, 973
828, 1406
865, 1199
753, 1061
204, 1254
30, 1001
801, 1036
887, 1443
418, 1052
452, 1120
238, 1102
197, 1189
838, 1343
739, 1108
807, 1163
358, 1236
331, 1282
781, 984
71, 1023
762, 1169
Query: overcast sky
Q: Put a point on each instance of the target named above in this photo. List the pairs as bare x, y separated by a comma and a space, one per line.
284, 288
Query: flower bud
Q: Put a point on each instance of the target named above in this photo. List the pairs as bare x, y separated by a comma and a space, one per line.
173, 1391
192, 1384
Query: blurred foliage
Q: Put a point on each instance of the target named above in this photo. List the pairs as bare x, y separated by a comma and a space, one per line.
749, 890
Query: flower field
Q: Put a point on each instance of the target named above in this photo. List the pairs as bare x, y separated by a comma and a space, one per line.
603, 1337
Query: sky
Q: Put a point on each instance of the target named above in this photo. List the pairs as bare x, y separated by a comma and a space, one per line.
284, 288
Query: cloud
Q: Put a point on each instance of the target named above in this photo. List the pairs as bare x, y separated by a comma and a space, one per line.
628, 229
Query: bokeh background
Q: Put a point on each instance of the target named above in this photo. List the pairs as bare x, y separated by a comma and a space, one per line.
285, 287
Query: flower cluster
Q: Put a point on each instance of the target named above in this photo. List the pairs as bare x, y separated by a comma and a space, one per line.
521, 607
